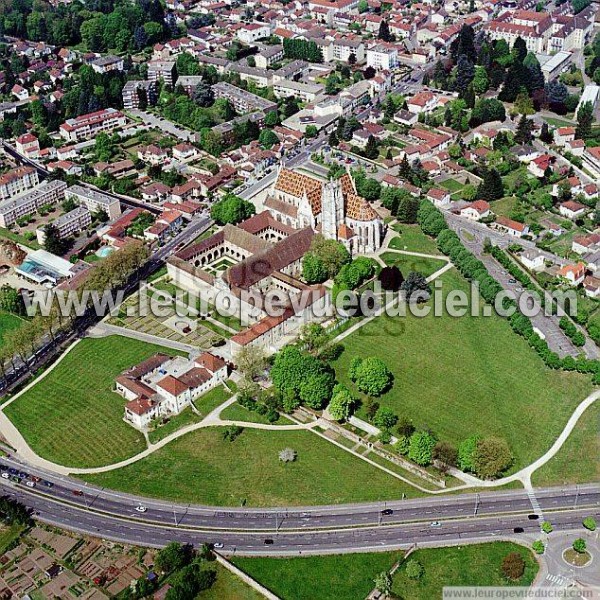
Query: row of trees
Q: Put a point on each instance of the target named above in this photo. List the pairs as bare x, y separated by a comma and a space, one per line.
110, 274
473, 269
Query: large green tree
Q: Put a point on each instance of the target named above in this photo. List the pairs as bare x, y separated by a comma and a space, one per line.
232, 209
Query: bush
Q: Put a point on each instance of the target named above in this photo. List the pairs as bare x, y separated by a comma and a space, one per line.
547, 527
513, 566
589, 523
538, 547
414, 569
579, 545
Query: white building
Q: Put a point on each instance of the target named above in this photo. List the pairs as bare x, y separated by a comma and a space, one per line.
94, 201
476, 210
382, 57
17, 181
48, 192
90, 125
163, 386
68, 224
253, 31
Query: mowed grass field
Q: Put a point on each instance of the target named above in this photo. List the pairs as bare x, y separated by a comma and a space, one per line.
477, 564
468, 375
72, 416
337, 577
411, 238
202, 467
408, 264
8, 322
577, 461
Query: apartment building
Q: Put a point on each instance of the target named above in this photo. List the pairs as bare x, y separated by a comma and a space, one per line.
382, 57
242, 100
105, 64
90, 125
94, 201
28, 145
48, 192
162, 69
307, 92
17, 181
134, 91
68, 224
253, 31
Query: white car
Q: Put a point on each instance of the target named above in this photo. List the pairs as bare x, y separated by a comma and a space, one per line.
5, 475
217, 545
435, 524
141, 509
30, 484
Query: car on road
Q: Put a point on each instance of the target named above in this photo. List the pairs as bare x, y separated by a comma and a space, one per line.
268, 542
435, 524
518, 530
217, 545
23, 475
141, 509
387, 511
533, 517
30, 484
512, 281
77, 493
12, 471
48, 484
5, 475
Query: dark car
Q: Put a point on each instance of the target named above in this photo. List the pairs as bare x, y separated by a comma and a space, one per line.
518, 530
48, 484
268, 541
387, 511
533, 517
77, 493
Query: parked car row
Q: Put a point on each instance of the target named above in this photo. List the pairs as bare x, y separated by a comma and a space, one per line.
17, 476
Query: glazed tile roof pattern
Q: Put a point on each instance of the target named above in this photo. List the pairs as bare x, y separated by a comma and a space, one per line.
300, 185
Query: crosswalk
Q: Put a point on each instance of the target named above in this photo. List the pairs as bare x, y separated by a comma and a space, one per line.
558, 580
537, 509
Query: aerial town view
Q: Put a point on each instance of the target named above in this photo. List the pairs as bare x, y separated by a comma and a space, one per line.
299, 299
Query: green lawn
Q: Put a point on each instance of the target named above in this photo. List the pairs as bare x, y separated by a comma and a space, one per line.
8, 535
18, 238
183, 419
209, 401
8, 322
568, 466
236, 412
336, 577
452, 185
202, 467
72, 416
411, 238
407, 263
478, 564
461, 376
227, 587
504, 206
558, 122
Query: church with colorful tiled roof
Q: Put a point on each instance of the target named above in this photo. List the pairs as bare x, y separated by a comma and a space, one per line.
332, 207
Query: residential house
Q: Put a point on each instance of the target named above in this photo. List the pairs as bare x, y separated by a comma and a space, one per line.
513, 228
480, 209
574, 274
572, 210
439, 196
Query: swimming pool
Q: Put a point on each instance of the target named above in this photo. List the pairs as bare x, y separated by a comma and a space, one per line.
104, 251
